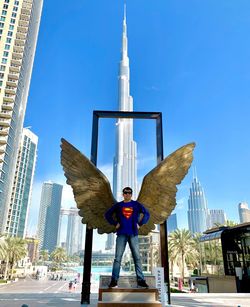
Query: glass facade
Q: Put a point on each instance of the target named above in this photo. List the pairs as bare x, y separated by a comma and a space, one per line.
197, 208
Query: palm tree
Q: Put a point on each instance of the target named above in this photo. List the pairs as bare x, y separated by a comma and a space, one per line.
182, 249
59, 255
15, 250
2, 247
44, 255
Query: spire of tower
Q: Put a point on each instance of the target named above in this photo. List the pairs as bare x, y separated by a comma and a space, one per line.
124, 35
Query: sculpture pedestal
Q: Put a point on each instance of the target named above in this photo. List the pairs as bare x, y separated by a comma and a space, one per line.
127, 293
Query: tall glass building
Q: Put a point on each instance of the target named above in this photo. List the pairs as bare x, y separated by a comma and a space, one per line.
244, 212
19, 24
172, 223
18, 208
217, 217
197, 208
49, 215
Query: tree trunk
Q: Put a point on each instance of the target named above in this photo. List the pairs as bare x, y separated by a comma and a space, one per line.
6, 269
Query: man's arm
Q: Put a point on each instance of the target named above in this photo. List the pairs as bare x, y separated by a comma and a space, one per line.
145, 213
109, 215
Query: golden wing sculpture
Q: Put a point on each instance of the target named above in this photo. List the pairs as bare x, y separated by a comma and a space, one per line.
93, 193
158, 191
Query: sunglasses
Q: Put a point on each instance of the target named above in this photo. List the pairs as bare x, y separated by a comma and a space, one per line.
127, 192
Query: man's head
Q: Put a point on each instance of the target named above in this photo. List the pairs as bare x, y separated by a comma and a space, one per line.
127, 194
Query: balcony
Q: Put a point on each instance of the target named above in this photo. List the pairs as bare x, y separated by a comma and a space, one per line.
4, 122
18, 49
4, 132
13, 75
9, 99
3, 140
22, 29
5, 114
15, 69
16, 62
21, 36
19, 42
2, 149
7, 106
10, 91
11, 83
25, 12
17, 55
23, 23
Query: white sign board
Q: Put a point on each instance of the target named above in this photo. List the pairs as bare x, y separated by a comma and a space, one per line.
159, 284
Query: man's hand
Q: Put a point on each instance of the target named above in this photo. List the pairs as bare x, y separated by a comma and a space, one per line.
117, 226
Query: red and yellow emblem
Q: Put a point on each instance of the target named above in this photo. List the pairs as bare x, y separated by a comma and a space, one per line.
127, 212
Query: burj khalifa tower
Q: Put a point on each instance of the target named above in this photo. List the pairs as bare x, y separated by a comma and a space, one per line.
125, 168
125, 160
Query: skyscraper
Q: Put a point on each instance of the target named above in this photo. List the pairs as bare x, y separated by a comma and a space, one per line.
197, 208
125, 164
172, 223
49, 215
19, 24
125, 168
74, 231
244, 212
18, 208
217, 216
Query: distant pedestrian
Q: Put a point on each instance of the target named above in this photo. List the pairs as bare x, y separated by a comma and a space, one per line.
70, 285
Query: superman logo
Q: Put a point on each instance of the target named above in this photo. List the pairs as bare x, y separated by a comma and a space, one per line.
127, 212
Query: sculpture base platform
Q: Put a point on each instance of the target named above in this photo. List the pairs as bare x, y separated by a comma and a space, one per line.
127, 293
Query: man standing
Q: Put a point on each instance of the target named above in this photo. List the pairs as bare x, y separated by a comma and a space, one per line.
126, 216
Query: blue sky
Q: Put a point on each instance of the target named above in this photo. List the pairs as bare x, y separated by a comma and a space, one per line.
188, 59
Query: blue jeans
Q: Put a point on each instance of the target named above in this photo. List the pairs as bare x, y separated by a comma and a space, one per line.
121, 242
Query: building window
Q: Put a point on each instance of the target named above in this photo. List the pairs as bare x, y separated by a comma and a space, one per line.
7, 1
1, 31
2, 18
5, 54
10, 33
11, 27
15, 9
7, 47
4, 12
8, 40
16, 3
13, 14
1, 24
1, 75
1, 83
12, 20
4, 61
2, 68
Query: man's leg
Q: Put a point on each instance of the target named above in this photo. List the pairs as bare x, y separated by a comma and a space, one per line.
121, 242
134, 247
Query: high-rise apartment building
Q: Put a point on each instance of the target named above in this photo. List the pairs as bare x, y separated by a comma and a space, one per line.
217, 217
18, 209
197, 208
244, 212
49, 215
19, 24
172, 223
125, 164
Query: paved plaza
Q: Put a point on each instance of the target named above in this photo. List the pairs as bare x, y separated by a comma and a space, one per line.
38, 293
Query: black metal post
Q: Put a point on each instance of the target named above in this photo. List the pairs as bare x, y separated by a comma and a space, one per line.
86, 284
163, 227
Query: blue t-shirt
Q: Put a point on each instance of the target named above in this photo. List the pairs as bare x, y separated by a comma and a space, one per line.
127, 214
